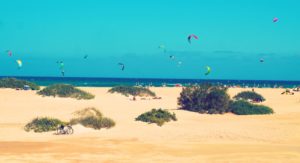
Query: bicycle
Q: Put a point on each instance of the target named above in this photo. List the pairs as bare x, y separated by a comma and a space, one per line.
64, 129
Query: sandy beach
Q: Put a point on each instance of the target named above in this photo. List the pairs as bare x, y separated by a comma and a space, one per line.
193, 138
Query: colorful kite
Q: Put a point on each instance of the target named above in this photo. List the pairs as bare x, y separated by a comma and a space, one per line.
192, 36
163, 47
275, 20
61, 67
208, 70
9, 52
20, 64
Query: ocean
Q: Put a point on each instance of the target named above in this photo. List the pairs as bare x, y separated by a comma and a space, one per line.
110, 82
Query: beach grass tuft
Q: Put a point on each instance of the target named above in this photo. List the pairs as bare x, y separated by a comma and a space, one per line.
249, 95
132, 90
158, 116
92, 118
242, 107
65, 90
44, 124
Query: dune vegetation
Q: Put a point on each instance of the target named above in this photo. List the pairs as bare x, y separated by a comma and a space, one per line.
17, 84
44, 124
89, 117
249, 95
242, 107
132, 90
92, 118
65, 90
204, 98
211, 99
158, 116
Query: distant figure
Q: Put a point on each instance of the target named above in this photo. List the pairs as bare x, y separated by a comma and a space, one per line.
252, 89
296, 89
287, 92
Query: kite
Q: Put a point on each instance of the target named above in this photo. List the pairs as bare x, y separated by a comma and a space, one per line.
9, 52
192, 36
172, 57
61, 64
20, 64
275, 20
61, 67
208, 70
122, 66
86, 56
163, 47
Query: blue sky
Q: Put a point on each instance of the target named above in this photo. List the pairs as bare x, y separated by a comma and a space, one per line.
233, 36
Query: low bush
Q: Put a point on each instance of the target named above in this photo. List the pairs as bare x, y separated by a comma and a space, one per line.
92, 118
43, 124
242, 107
204, 98
131, 90
16, 83
97, 123
64, 90
157, 116
249, 95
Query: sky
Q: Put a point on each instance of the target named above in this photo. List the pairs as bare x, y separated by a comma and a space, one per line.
233, 36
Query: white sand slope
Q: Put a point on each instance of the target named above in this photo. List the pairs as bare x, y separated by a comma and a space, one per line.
193, 138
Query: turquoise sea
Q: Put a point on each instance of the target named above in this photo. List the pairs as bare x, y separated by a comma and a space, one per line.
110, 82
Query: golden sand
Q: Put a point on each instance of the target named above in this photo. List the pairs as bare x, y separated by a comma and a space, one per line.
193, 138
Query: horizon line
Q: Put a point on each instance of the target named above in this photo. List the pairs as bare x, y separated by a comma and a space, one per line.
143, 78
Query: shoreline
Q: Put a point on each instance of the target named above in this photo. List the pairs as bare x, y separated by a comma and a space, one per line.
110, 82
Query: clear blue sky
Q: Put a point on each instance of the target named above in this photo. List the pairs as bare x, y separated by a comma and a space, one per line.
233, 36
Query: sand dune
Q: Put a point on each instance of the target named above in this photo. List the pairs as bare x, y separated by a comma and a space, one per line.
193, 138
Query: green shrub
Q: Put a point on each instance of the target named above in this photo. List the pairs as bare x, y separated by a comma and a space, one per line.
92, 118
204, 98
64, 90
242, 107
97, 123
107, 122
131, 90
91, 122
43, 124
157, 116
249, 95
16, 83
